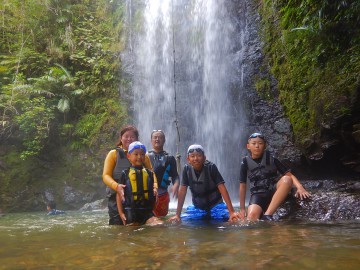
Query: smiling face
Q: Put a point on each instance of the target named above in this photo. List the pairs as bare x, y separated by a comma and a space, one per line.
127, 138
136, 157
196, 159
256, 146
158, 141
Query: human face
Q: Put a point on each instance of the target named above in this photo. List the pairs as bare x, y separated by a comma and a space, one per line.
127, 138
256, 146
158, 141
196, 159
137, 157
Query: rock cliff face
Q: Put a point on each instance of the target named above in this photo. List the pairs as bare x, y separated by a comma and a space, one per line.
339, 140
335, 146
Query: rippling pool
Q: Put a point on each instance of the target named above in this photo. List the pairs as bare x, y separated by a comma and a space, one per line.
85, 241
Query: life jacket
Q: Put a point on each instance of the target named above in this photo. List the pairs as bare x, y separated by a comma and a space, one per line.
261, 175
161, 166
139, 193
205, 193
122, 163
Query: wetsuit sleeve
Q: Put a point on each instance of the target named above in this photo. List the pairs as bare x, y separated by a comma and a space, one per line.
281, 167
243, 171
215, 175
185, 180
173, 170
147, 164
109, 165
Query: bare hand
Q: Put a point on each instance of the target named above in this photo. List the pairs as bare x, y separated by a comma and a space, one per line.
175, 218
242, 214
123, 218
233, 217
302, 194
120, 191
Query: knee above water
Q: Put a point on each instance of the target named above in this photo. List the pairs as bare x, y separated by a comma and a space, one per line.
287, 180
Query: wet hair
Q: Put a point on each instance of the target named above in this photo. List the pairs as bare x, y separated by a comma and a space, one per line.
51, 204
125, 129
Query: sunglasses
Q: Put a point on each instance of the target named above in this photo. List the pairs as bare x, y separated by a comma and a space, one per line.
138, 147
256, 135
198, 150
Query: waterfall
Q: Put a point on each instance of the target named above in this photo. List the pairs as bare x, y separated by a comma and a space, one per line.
209, 44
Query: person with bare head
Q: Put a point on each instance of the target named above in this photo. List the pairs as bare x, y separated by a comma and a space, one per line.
165, 168
115, 162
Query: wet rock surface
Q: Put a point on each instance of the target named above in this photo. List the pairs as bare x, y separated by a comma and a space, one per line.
330, 200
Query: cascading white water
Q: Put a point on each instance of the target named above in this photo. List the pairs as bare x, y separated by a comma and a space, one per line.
207, 46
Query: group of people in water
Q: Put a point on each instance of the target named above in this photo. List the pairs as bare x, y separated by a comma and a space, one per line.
139, 181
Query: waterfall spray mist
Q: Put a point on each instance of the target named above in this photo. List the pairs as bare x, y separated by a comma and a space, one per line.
203, 38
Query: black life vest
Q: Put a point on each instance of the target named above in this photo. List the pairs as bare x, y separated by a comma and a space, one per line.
161, 165
122, 163
205, 193
139, 190
261, 175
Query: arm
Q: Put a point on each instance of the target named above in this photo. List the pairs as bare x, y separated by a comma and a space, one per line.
242, 188
120, 208
155, 190
175, 189
224, 193
242, 193
181, 200
301, 193
175, 177
109, 165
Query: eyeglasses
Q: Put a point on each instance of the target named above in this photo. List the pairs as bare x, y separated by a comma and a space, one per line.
138, 147
257, 135
198, 150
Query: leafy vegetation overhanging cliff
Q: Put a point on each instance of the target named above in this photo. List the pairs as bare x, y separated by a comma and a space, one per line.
312, 49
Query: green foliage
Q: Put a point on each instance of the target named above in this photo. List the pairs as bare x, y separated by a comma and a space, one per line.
59, 78
263, 87
69, 57
34, 124
313, 48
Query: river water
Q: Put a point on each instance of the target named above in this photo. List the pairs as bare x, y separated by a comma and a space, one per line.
83, 240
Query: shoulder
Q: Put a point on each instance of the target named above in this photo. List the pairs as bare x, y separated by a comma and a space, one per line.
147, 161
244, 160
211, 166
111, 155
187, 168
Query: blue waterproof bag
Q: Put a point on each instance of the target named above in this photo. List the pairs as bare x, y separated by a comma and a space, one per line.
218, 212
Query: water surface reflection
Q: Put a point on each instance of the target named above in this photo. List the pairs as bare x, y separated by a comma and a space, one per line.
84, 240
